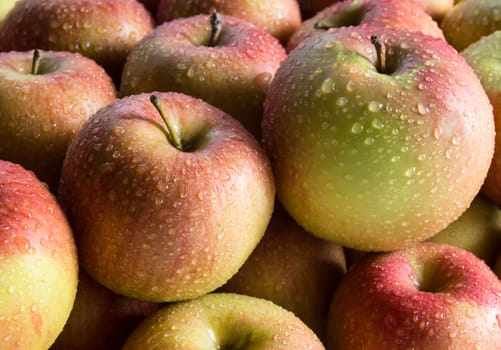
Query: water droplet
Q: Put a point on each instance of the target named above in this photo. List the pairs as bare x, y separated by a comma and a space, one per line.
342, 101
422, 109
357, 128
377, 124
369, 141
410, 172
374, 106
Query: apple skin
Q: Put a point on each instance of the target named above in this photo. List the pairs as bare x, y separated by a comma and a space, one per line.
469, 20
232, 75
223, 321
104, 30
280, 18
400, 14
100, 319
436, 8
5, 7
293, 269
38, 262
484, 56
427, 296
477, 230
41, 113
163, 224
375, 161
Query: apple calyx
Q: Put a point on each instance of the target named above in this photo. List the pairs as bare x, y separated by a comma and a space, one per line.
381, 54
35, 63
216, 24
350, 16
172, 129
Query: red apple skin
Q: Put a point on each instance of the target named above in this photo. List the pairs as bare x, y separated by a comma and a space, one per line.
293, 269
162, 224
40, 114
399, 14
429, 296
104, 30
232, 75
38, 262
280, 18
101, 319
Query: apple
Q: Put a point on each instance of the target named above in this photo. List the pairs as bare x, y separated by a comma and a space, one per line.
45, 97
224, 60
181, 195
151, 5
477, 230
5, 7
378, 137
293, 269
223, 321
279, 17
426, 296
104, 30
309, 8
436, 8
469, 20
485, 57
100, 319
38, 262
401, 14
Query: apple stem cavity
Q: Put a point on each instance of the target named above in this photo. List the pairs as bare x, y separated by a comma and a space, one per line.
35, 63
381, 54
216, 24
172, 132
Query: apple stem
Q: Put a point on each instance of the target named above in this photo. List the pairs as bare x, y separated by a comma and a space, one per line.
35, 63
216, 24
172, 132
380, 52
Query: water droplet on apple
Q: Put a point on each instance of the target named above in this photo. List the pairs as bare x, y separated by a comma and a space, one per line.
357, 128
342, 101
374, 106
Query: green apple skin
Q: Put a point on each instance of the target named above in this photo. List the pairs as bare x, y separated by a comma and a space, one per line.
233, 75
41, 113
484, 56
375, 161
402, 14
280, 17
163, 224
38, 262
427, 296
470, 20
104, 30
5, 7
101, 319
293, 269
223, 321
477, 230
436, 8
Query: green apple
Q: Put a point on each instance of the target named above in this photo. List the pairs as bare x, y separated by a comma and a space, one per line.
181, 194
293, 269
485, 57
223, 321
436, 8
38, 262
477, 230
103, 30
403, 14
5, 7
469, 20
378, 137
45, 97
224, 60
279, 17
426, 296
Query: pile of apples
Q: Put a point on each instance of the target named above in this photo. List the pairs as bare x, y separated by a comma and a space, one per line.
230, 174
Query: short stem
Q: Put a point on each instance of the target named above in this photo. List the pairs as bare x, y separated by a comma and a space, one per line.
380, 52
35, 63
216, 24
172, 134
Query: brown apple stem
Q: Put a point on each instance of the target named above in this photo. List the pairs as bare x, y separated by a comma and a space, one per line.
35, 63
380, 52
216, 24
172, 132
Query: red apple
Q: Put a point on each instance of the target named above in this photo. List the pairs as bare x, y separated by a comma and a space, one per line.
428, 296
436, 8
279, 17
399, 14
38, 262
45, 97
309, 8
179, 198
224, 60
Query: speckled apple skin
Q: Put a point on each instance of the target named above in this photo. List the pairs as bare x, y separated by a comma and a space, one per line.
374, 161
429, 296
38, 262
160, 224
